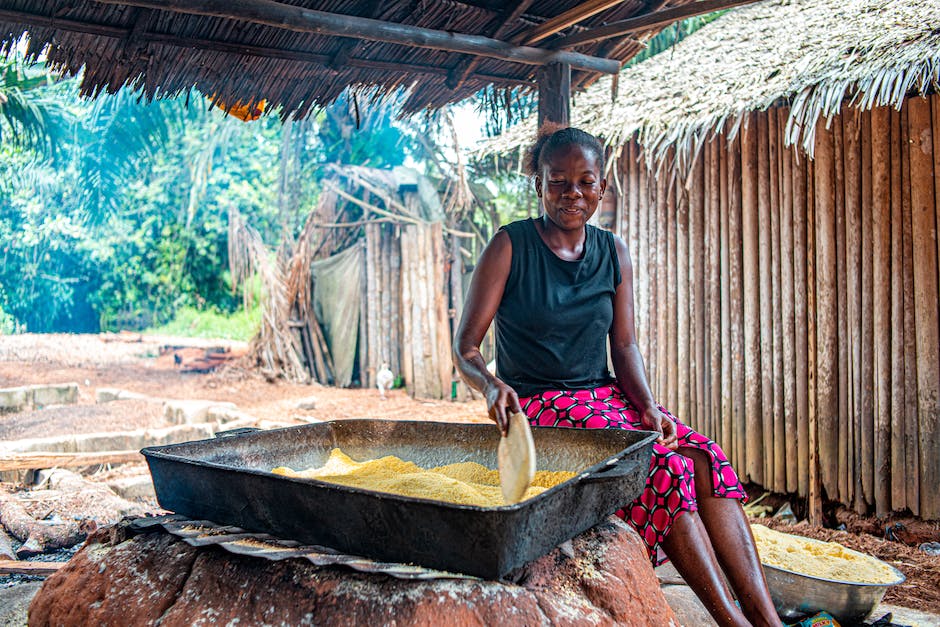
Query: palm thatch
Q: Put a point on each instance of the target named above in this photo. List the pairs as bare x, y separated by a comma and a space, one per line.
817, 56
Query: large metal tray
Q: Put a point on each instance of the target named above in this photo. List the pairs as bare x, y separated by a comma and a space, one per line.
228, 480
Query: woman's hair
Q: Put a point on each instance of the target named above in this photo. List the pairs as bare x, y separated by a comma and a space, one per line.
551, 137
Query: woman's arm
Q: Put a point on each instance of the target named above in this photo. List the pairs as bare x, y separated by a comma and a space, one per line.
483, 298
625, 354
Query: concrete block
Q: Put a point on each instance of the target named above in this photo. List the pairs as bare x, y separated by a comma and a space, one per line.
688, 609
115, 441
15, 399
133, 488
107, 395
226, 415
58, 394
187, 412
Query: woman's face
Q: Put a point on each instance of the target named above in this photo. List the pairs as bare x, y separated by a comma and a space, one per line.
570, 186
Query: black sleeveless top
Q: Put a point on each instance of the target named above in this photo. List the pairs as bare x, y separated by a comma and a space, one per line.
553, 320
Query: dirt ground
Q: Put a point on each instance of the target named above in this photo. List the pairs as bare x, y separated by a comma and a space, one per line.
135, 363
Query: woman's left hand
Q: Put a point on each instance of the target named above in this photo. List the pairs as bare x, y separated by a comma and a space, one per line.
655, 420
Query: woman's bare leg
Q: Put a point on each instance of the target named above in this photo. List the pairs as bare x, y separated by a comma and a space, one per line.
733, 543
690, 551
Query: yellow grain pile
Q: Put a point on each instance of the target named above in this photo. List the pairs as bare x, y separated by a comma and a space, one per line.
827, 560
467, 483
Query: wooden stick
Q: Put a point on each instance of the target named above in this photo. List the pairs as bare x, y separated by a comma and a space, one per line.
659, 305
765, 299
680, 283
779, 432
750, 238
714, 350
570, 17
304, 20
671, 365
38, 460
814, 505
696, 308
407, 247
37, 569
881, 304
645, 266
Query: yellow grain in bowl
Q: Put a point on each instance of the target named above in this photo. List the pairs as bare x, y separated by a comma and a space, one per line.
826, 560
466, 483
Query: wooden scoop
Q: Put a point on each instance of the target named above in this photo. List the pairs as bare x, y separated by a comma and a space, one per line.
515, 457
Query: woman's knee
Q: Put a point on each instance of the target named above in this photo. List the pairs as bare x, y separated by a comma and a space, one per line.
703, 468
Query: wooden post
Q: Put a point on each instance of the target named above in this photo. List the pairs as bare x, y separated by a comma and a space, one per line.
765, 299
801, 257
867, 381
827, 366
899, 471
659, 305
554, 82
776, 177
911, 428
750, 239
714, 349
788, 301
646, 268
671, 292
814, 500
739, 416
881, 304
680, 281
696, 310
408, 245
844, 367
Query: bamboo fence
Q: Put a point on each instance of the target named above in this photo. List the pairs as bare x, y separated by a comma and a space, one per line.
788, 306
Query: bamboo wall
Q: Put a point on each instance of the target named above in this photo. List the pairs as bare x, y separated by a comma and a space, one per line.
788, 306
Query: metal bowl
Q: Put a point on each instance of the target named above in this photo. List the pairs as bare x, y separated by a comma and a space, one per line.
796, 595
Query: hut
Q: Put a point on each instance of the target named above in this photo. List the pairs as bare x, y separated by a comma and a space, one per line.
777, 177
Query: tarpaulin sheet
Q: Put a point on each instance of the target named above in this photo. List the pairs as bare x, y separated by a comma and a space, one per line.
336, 300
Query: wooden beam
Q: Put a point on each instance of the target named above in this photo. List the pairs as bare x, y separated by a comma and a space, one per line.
457, 75
555, 94
299, 19
569, 18
33, 461
646, 22
235, 48
40, 569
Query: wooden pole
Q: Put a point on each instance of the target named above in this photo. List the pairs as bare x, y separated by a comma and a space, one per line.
714, 349
765, 298
646, 259
554, 82
305, 20
911, 428
739, 415
844, 367
881, 304
681, 286
899, 471
756, 447
866, 371
827, 368
661, 391
696, 309
671, 291
788, 302
858, 447
801, 257
408, 246
814, 500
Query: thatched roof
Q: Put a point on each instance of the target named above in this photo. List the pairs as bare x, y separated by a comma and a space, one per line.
817, 56
301, 54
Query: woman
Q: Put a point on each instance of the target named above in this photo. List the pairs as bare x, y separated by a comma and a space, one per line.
558, 289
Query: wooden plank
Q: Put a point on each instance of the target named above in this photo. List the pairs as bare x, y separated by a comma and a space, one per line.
750, 241
911, 427
898, 470
866, 370
827, 348
681, 286
801, 290
852, 168
305, 20
736, 307
40, 460
927, 317
765, 298
814, 478
37, 569
881, 305
788, 304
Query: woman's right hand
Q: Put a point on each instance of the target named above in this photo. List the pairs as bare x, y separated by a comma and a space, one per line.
501, 401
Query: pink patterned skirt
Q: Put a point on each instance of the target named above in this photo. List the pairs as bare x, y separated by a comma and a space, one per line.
670, 489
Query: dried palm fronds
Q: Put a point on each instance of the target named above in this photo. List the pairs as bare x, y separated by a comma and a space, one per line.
818, 56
